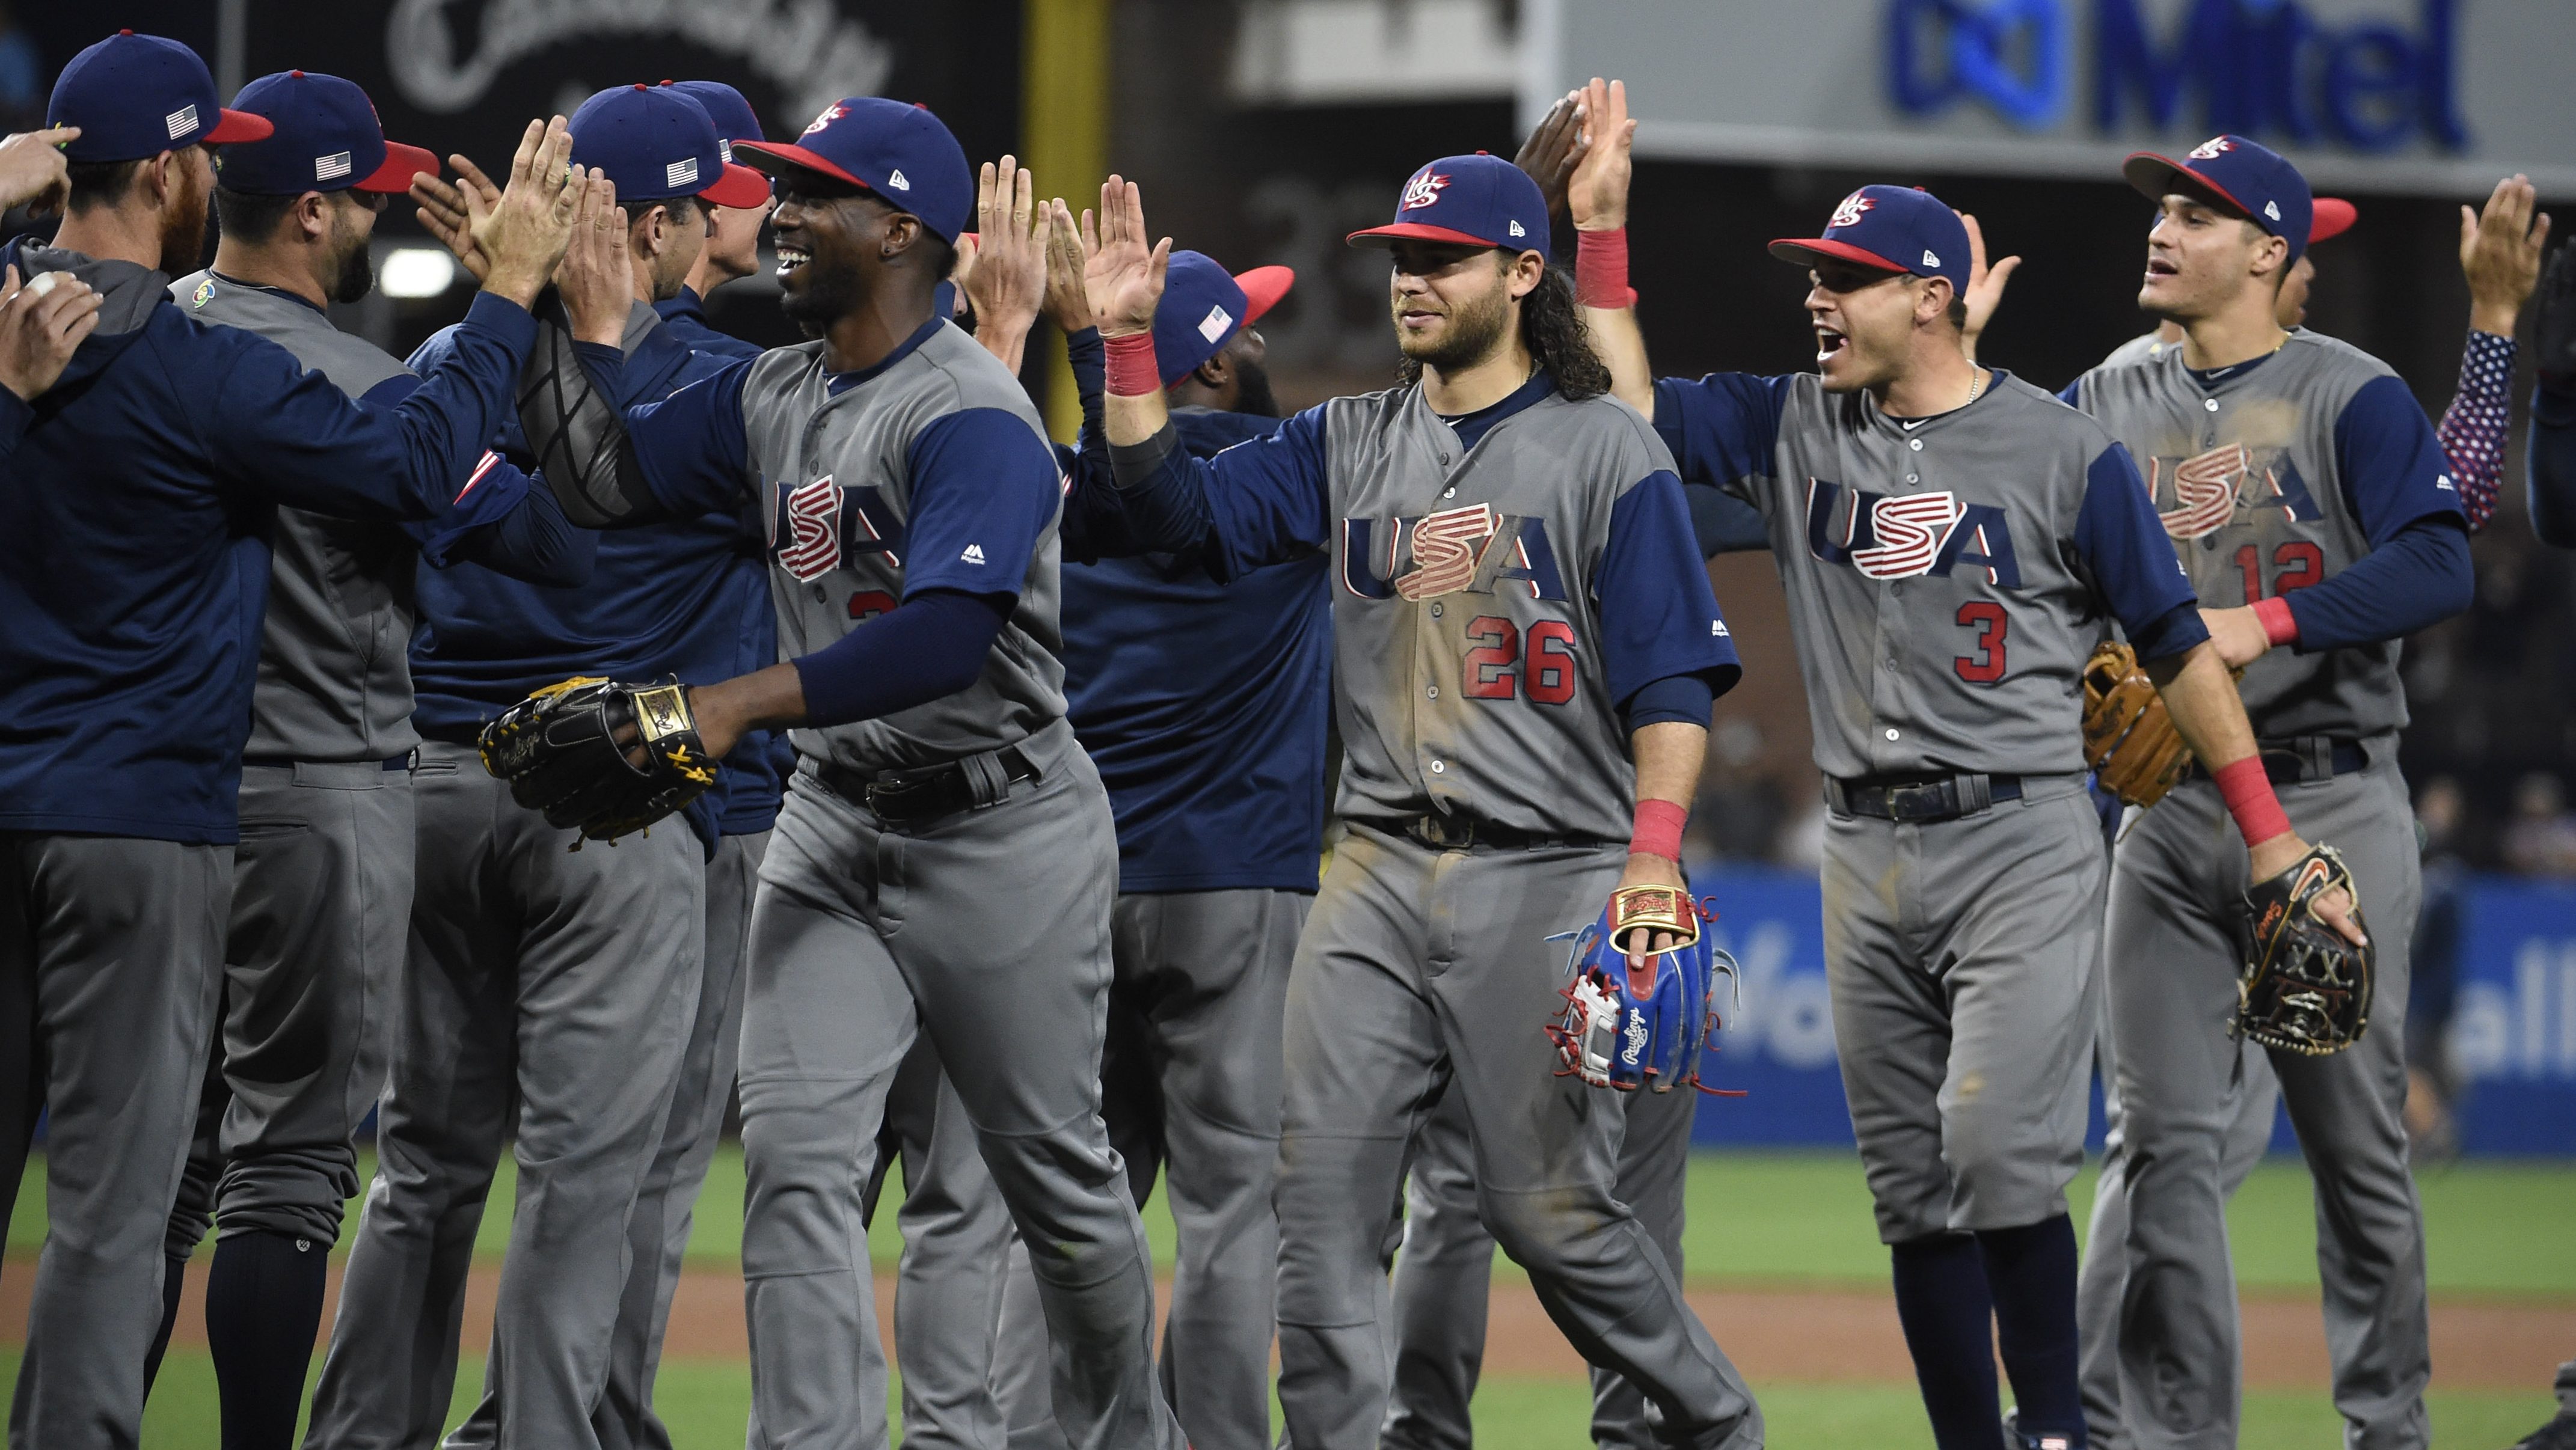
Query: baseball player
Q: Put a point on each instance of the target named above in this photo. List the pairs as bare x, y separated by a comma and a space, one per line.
322, 877
1951, 540
555, 996
2311, 503
1526, 651
1215, 773
942, 863
2500, 248
136, 553
732, 250
2551, 450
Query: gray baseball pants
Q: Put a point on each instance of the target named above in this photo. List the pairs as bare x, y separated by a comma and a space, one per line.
2106, 1241
548, 994
949, 1290
1961, 956
1444, 1273
1200, 990
114, 947
2176, 890
657, 1229
988, 929
322, 886
1427, 971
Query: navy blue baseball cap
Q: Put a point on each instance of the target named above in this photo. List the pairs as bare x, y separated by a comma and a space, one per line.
657, 144
1204, 306
2244, 177
734, 118
140, 95
899, 151
1480, 200
326, 138
1893, 228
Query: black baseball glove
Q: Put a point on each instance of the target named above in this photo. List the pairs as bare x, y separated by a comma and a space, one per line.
600, 757
2305, 987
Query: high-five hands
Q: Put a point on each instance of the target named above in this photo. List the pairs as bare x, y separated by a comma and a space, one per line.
1123, 272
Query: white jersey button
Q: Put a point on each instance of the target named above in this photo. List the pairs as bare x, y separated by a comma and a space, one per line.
1891, 734
1913, 478
1914, 443
1435, 692
2210, 404
1435, 611
1452, 490
1437, 768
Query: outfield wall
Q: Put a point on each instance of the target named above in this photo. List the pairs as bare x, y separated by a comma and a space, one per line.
2512, 1037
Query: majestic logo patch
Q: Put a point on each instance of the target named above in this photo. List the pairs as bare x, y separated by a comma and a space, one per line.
182, 122
1423, 190
831, 113
2211, 148
974, 554
1213, 325
331, 168
813, 518
1471, 550
1909, 536
1849, 212
683, 172
2208, 489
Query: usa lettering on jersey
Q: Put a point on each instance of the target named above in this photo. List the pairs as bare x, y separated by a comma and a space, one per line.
1909, 536
821, 523
2209, 488
1469, 550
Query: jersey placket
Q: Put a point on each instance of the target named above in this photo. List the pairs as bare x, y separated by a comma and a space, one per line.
1890, 693
1437, 703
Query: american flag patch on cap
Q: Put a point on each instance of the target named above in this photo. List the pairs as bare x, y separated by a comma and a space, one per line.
1213, 325
681, 173
182, 121
724, 148
331, 168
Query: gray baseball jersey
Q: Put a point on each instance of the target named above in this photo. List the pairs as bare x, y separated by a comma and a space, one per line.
1947, 576
2145, 347
2273, 476
334, 682
1497, 602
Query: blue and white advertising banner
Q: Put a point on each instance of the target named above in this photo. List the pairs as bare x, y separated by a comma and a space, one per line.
2409, 96
2512, 1036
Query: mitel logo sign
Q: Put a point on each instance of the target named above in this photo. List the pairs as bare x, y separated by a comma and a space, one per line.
2265, 68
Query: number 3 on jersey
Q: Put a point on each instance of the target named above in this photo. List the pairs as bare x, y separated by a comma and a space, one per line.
1990, 622
1498, 667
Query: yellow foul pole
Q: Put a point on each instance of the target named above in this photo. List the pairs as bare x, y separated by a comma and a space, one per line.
1064, 138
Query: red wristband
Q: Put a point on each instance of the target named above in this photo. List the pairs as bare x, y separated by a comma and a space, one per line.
2280, 626
1131, 372
1658, 831
1601, 270
2248, 793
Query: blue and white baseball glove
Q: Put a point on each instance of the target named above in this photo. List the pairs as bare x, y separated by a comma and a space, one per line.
1628, 1030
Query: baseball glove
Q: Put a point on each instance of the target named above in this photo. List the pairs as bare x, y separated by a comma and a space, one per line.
1620, 1030
600, 757
2305, 987
2129, 740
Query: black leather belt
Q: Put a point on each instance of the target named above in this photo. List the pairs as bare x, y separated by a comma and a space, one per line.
910, 799
1920, 798
1458, 833
2309, 757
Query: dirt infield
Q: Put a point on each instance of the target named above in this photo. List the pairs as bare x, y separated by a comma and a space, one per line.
1785, 1334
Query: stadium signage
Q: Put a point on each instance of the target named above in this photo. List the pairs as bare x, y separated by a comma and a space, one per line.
2263, 68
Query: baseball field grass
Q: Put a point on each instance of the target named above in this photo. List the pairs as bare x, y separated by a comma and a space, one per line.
2497, 1233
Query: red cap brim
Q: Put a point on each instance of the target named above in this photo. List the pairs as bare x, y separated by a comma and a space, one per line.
1415, 231
2333, 217
402, 163
1262, 289
1806, 251
2154, 176
774, 156
739, 186
232, 126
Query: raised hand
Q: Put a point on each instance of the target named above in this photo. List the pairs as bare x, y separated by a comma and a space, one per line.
451, 210
1985, 284
525, 234
597, 276
41, 326
1597, 192
1122, 271
1068, 304
1008, 280
33, 169
2500, 254
1552, 149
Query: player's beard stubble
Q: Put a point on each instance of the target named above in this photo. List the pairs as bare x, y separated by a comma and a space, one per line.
1475, 329
357, 275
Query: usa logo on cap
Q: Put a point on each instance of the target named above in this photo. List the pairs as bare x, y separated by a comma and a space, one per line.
831, 113
1849, 212
2211, 148
1423, 190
